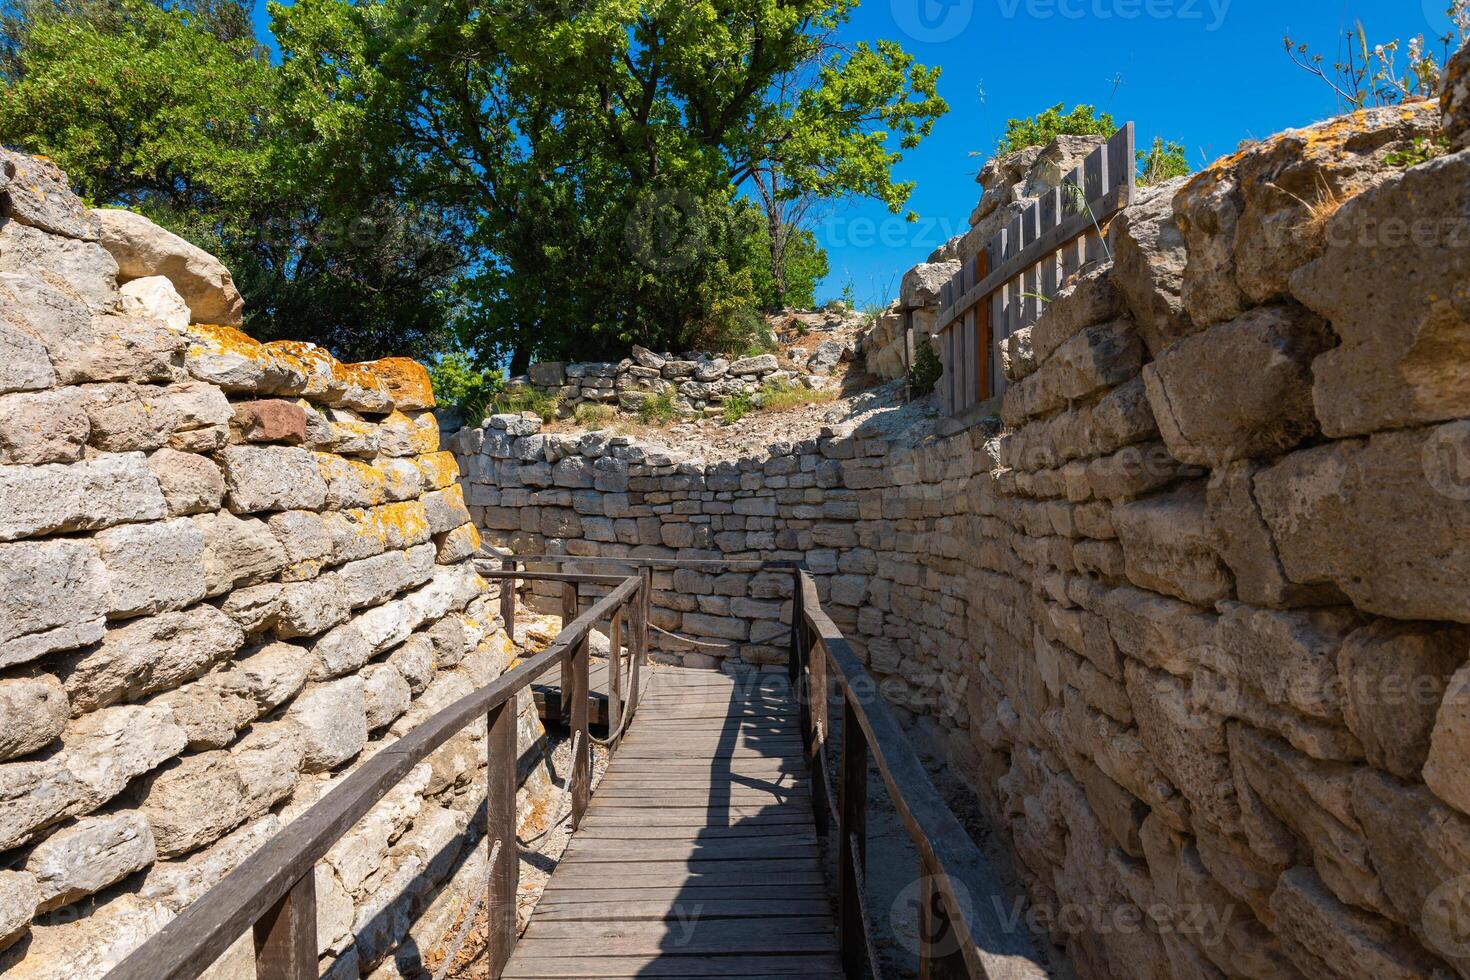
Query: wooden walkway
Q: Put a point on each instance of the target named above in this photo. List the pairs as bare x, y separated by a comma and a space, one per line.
697, 856
546, 689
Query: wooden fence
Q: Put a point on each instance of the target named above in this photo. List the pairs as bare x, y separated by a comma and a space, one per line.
1007, 286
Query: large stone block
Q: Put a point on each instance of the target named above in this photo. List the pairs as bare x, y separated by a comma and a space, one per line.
1169, 546
53, 596
37, 193
153, 568
237, 551
1403, 346
272, 478
19, 894
105, 750
1240, 389
152, 654
312, 607
91, 494
42, 427
192, 801
1149, 257
1394, 676
141, 248
1291, 658
191, 484
1386, 520
87, 856
333, 720
1447, 769
35, 710
84, 266
351, 483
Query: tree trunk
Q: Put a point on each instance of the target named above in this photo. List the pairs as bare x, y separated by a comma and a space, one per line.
520, 360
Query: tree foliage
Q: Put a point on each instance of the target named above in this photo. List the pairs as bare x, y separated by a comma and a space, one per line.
1162, 161
1045, 126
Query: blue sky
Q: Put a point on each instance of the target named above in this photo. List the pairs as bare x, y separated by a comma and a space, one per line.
1206, 73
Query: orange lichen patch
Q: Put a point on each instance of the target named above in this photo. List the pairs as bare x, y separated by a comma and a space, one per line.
312, 361
438, 470
407, 381
219, 338
396, 525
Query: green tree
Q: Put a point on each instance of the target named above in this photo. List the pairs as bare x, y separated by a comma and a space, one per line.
1045, 126
177, 113
594, 154
1162, 161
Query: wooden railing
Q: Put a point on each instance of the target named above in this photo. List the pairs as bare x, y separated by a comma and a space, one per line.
1009, 283
273, 891
961, 932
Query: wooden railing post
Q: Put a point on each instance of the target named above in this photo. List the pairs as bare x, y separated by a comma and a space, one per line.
816, 673
570, 599
500, 826
639, 648
508, 599
793, 659
852, 847
615, 675
939, 949
285, 937
582, 757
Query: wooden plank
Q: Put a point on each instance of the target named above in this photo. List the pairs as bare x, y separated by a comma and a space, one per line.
681, 895
285, 937
500, 816
672, 943
744, 928
657, 965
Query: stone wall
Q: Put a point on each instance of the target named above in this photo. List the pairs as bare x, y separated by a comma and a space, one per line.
696, 383
229, 573
1191, 618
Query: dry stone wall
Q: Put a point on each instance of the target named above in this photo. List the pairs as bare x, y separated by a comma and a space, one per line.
229, 573
1191, 619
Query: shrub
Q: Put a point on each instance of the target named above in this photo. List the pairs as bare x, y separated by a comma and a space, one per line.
1369, 74
784, 398
927, 369
1046, 126
513, 401
458, 384
659, 410
1163, 161
737, 407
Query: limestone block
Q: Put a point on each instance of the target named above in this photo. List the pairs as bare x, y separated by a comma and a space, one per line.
42, 319
1245, 544
24, 363
190, 416
312, 607
66, 945
209, 714
19, 894
35, 710
37, 193
1313, 799
1384, 520
370, 581
106, 749
152, 568
272, 478
141, 248
1394, 676
270, 420
1149, 258
53, 596
386, 695
464, 542
253, 608
155, 298
151, 654
401, 434
37, 794
403, 478
190, 483
268, 759
91, 494
1396, 364
407, 381
1325, 937
1186, 740
84, 266
1291, 657
333, 720
1090, 299
85, 857
193, 801
179, 883
237, 551
42, 427
1447, 769
350, 483
445, 509
1168, 546
1240, 389
760, 364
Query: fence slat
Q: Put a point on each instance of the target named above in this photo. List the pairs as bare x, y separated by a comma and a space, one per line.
500, 825
285, 937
